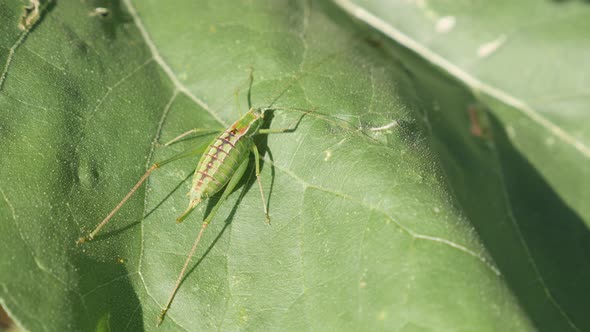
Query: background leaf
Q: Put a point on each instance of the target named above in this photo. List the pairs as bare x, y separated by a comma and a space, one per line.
527, 80
374, 208
525, 60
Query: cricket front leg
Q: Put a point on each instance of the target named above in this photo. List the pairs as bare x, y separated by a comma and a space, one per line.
284, 130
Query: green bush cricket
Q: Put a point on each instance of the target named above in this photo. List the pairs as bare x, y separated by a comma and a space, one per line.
222, 165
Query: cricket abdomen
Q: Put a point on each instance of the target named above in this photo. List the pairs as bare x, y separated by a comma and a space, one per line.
219, 162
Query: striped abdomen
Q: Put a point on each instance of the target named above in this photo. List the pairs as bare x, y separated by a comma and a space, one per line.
219, 162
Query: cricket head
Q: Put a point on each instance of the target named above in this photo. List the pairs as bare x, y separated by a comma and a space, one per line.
258, 112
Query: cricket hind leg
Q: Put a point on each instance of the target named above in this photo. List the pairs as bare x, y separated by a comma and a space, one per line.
144, 177
233, 182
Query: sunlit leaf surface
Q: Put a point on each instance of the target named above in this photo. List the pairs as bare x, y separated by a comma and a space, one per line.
388, 211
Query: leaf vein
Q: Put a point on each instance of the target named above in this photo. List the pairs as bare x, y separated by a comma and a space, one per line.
11, 51
44, 59
109, 282
527, 251
407, 230
111, 88
158, 58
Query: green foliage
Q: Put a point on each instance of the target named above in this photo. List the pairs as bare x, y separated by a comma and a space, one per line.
391, 212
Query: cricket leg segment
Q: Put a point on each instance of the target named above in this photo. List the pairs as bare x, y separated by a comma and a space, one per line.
181, 276
228, 189
257, 161
311, 112
144, 177
190, 132
121, 203
285, 130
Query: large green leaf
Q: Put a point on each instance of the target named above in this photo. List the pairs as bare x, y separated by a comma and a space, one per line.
374, 207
